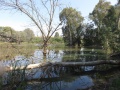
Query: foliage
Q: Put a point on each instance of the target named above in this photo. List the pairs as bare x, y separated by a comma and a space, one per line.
56, 34
56, 40
72, 26
7, 34
106, 20
112, 31
97, 16
90, 36
28, 34
36, 40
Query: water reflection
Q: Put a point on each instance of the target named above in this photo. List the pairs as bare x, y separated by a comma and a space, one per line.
71, 83
70, 55
58, 78
66, 55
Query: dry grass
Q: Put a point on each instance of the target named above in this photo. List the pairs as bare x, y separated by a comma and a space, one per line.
10, 50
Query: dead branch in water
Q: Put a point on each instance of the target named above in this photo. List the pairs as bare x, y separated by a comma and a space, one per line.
66, 64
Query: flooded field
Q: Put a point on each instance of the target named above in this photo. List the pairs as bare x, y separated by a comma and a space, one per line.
58, 77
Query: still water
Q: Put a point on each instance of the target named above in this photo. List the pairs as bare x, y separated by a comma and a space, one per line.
59, 78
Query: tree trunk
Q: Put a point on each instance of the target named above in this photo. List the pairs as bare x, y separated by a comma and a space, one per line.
78, 41
90, 63
45, 48
67, 64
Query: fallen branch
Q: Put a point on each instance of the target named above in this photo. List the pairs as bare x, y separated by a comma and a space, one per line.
66, 64
90, 63
30, 66
115, 55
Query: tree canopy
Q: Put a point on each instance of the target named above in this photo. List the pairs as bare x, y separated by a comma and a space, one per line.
72, 25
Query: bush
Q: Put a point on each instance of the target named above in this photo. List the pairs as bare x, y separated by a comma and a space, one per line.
56, 40
37, 40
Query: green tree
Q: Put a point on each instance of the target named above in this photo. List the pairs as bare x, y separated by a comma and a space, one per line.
112, 33
7, 34
72, 25
56, 35
90, 36
20, 36
28, 34
97, 16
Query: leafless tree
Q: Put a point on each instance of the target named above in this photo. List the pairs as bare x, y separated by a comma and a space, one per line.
41, 12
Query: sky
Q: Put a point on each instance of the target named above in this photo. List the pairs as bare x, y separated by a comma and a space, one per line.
19, 21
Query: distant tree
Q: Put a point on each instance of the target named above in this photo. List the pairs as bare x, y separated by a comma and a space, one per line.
29, 35
20, 36
7, 34
72, 25
56, 34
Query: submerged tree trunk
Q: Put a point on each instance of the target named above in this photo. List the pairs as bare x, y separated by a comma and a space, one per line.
45, 45
44, 50
67, 64
90, 63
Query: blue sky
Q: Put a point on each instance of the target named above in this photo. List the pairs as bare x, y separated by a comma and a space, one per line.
18, 21
85, 6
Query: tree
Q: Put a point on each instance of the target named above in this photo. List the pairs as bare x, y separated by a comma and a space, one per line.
72, 25
112, 35
28, 34
20, 36
90, 35
7, 34
56, 35
97, 16
32, 9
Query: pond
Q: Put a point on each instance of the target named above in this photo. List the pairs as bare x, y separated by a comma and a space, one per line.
59, 78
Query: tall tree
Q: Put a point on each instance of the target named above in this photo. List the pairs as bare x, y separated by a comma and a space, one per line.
97, 16
111, 23
72, 25
41, 13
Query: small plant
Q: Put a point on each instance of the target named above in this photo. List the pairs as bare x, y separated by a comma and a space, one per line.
115, 84
15, 78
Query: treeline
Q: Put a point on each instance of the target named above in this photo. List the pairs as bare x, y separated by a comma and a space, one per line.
7, 34
102, 29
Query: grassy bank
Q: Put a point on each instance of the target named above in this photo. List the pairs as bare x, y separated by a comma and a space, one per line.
10, 50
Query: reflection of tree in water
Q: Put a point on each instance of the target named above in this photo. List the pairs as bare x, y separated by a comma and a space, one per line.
58, 78
53, 77
82, 55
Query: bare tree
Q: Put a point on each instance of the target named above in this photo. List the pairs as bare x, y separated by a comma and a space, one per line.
34, 10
